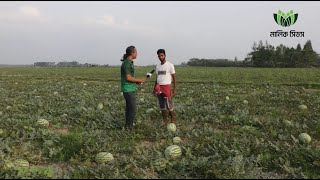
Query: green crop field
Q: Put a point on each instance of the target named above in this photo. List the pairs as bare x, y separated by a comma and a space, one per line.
233, 123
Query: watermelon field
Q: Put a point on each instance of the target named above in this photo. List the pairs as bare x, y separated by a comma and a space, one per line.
233, 123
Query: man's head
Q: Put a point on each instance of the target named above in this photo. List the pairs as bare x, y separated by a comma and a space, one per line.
132, 51
161, 55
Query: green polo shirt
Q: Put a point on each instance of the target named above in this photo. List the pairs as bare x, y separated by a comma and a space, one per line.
127, 67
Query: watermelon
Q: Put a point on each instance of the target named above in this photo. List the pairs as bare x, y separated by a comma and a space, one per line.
21, 163
227, 98
303, 107
104, 157
160, 164
43, 122
304, 138
141, 100
150, 111
171, 127
8, 165
55, 93
173, 152
176, 140
288, 123
245, 102
100, 106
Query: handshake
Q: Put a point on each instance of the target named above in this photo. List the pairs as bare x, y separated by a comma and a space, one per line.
149, 74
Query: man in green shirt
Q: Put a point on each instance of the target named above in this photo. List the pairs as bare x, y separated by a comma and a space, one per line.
129, 84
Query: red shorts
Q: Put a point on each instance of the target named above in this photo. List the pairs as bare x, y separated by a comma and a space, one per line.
164, 96
164, 89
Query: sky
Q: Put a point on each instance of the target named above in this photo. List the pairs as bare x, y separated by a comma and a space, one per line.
99, 32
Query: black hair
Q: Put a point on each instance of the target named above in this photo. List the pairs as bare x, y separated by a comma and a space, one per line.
161, 51
129, 51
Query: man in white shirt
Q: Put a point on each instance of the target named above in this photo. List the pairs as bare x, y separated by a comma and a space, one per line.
165, 75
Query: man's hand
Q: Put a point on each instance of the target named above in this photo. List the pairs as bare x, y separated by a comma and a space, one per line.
174, 92
142, 80
154, 93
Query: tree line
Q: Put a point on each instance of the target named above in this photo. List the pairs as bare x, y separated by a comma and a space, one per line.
213, 63
66, 64
266, 55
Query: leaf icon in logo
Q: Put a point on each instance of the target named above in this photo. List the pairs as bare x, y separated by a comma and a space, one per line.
285, 20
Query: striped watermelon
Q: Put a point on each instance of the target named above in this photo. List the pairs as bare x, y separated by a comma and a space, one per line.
160, 164
171, 127
104, 157
176, 140
8, 165
173, 152
21, 163
304, 138
43, 122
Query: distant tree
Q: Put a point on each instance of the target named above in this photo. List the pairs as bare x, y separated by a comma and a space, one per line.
299, 47
266, 55
44, 64
309, 56
69, 64
183, 64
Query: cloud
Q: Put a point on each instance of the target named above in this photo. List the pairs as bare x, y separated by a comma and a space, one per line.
29, 11
101, 20
111, 22
22, 15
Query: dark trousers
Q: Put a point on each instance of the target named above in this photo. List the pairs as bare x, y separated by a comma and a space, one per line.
131, 108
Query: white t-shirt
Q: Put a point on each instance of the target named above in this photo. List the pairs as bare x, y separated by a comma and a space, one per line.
164, 72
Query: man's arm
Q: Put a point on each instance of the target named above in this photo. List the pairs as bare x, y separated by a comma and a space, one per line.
153, 92
174, 84
127, 70
174, 79
155, 82
134, 80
